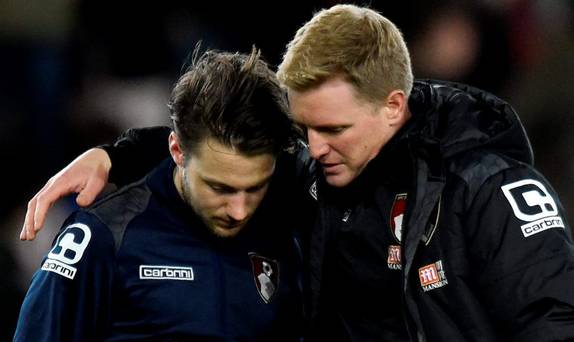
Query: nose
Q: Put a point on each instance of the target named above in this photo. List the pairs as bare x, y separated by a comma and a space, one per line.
237, 206
318, 146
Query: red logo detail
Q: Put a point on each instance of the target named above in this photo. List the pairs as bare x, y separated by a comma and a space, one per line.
428, 275
266, 276
397, 214
394, 254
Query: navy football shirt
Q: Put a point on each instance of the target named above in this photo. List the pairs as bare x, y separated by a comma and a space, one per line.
140, 265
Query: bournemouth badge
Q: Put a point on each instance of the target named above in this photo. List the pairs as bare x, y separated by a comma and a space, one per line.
397, 215
266, 276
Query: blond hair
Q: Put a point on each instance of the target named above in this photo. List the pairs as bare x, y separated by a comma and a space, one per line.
357, 43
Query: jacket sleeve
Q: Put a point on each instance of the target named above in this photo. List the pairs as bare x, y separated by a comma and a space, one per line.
136, 152
524, 254
69, 296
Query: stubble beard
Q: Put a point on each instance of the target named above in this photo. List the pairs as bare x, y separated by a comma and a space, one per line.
186, 196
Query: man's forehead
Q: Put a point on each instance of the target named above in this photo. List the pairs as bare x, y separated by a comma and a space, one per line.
333, 104
239, 180
218, 163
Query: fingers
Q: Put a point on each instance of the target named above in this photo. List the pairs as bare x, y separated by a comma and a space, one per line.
28, 220
38, 208
86, 175
44, 200
28, 232
88, 194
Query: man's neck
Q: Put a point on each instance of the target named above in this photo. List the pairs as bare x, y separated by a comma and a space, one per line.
178, 181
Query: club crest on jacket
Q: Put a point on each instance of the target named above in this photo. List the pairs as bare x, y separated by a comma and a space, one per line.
397, 215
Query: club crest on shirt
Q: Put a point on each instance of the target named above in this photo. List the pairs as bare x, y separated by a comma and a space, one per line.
397, 215
266, 276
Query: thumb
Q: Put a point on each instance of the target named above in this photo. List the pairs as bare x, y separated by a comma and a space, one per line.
89, 192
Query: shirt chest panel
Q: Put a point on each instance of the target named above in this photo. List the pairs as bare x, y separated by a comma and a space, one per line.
179, 284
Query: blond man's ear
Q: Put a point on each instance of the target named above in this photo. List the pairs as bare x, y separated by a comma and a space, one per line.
396, 108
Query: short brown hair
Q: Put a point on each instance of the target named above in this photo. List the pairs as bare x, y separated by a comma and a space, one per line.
357, 43
233, 98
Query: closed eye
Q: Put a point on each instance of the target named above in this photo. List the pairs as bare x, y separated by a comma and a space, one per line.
221, 189
332, 130
256, 188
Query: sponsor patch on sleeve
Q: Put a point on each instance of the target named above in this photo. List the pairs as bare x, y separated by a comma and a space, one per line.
68, 250
532, 203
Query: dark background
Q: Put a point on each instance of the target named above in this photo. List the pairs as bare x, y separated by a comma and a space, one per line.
76, 73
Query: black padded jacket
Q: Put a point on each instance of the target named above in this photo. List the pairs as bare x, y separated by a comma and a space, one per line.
485, 254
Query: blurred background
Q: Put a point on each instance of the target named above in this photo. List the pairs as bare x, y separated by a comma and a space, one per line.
76, 73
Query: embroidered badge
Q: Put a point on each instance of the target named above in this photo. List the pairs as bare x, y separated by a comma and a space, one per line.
432, 276
394, 258
397, 215
266, 276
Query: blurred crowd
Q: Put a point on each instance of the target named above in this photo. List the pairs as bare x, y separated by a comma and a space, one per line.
75, 74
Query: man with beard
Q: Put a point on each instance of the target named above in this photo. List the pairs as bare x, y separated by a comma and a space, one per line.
184, 253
